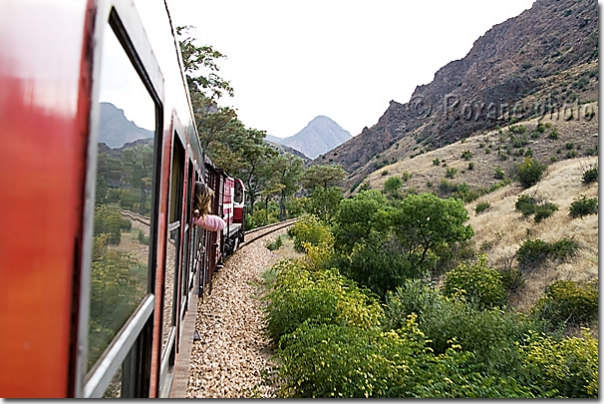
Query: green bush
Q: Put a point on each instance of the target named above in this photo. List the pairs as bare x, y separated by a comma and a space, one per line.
569, 303
310, 230
526, 204
583, 207
563, 368
544, 211
450, 172
529, 172
466, 155
275, 245
490, 335
534, 252
499, 174
482, 206
393, 184
512, 279
322, 361
478, 283
321, 296
590, 175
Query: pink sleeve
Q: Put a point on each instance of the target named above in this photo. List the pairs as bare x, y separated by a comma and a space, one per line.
210, 223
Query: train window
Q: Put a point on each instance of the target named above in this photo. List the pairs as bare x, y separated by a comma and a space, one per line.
238, 193
123, 219
173, 255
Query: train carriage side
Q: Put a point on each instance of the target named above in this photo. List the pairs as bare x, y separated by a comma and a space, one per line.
99, 256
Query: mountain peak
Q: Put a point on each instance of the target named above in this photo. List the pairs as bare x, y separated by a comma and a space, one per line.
319, 136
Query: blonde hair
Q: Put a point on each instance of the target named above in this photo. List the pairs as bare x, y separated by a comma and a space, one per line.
203, 198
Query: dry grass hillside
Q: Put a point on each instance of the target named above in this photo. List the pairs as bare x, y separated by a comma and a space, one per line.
577, 137
500, 230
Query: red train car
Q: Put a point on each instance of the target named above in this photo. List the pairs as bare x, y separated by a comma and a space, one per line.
98, 256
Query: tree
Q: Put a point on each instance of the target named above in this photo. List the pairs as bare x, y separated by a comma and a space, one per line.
383, 243
393, 184
324, 175
324, 203
287, 170
200, 65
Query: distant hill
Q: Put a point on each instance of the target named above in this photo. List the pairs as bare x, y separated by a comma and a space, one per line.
270, 140
115, 130
321, 135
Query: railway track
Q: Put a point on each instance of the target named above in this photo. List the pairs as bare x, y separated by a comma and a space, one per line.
255, 234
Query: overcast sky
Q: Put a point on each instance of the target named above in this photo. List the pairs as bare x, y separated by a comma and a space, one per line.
290, 61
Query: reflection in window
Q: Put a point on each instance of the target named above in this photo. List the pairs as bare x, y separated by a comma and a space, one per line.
122, 218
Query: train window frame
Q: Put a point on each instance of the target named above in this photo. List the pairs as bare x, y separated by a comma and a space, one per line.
134, 338
175, 224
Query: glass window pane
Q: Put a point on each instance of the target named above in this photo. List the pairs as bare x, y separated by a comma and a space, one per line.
122, 218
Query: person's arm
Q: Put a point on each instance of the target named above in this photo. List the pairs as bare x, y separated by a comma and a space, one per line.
210, 223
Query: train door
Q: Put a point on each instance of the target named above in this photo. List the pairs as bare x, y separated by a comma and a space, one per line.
119, 258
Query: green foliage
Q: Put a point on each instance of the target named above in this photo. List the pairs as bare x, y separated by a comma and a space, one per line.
534, 252
590, 175
526, 204
436, 161
323, 297
583, 207
393, 184
512, 279
482, 206
568, 303
309, 229
322, 175
275, 245
353, 220
108, 220
529, 172
490, 335
544, 211
478, 283
466, 155
339, 361
450, 172
564, 368
385, 243
324, 203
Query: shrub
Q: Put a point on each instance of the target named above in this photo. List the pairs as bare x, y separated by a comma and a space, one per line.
436, 161
532, 253
565, 368
482, 206
529, 172
325, 297
450, 173
309, 229
393, 184
568, 303
512, 279
480, 284
583, 207
275, 245
471, 166
526, 204
466, 155
544, 211
490, 335
590, 175
564, 248
499, 174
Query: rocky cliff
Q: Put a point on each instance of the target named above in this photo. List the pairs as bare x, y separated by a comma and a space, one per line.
520, 68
